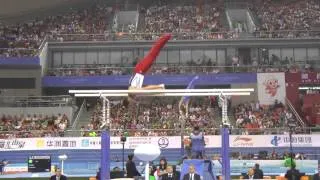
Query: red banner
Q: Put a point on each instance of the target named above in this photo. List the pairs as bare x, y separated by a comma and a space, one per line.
303, 78
310, 78
293, 81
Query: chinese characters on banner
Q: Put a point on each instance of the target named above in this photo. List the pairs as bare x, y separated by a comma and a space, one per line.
310, 78
164, 142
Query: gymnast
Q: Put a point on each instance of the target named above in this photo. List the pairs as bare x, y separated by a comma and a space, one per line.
136, 81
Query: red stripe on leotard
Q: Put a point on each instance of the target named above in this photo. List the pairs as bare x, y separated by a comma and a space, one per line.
144, 65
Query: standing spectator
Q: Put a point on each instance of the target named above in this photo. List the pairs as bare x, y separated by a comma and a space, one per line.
293, 173
161, 169
187, 145
257, 171
197, 143
98, 174
289, 160
151, 176
3, 164
58, 176
317, 176
131, 167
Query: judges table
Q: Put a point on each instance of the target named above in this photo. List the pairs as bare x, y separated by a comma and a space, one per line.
93, 178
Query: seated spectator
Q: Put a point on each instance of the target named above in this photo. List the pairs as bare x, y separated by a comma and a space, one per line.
32, 126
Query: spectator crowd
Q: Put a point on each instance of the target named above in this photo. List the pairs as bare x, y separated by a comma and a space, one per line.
254, 117
37, 125
154, 116
279, 17
158, 117
24, 39
159, 114
185, 21
202, 68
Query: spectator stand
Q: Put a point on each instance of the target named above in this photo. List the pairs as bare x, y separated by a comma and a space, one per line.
36, 116
105, 168
203, 68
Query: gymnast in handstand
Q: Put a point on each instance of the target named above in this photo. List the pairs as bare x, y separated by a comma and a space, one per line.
136, 81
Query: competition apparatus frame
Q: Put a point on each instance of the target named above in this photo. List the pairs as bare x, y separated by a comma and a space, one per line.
105, 137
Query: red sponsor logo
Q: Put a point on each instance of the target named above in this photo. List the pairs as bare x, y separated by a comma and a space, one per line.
241, 141
239, 138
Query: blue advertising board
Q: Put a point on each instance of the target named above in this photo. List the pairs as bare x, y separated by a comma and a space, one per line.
168, 80
269, 167
19, 61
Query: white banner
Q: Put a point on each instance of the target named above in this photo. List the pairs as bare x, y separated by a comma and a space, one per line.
274, 141
165, 142
271, 87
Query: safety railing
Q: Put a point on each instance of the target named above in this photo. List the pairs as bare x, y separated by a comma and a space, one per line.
156, 132
167, 69
76, 119
35, 101
295, 113
279, 34
122, 36
18, 52
43, 43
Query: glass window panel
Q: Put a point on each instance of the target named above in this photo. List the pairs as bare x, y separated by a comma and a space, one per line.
197, 56
185, 56
313, 54
92, 57
145, 52
104, 57
210, 55
275, 52
221, 55
300, 54
127, 58
173, 57
67, 58
115, 57
80, 58
287, 53
57, 59
162, 58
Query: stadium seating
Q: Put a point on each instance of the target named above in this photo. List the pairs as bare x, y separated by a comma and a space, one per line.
95, 23
36, 125
204, 67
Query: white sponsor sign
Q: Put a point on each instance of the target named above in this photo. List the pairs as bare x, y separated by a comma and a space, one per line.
15, 169
297, 141
165, 142
271, 87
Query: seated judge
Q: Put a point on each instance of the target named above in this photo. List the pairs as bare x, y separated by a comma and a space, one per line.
58, 176
251, 174
192, 175
171, 175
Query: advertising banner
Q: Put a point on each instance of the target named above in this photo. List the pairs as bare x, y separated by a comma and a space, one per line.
19, 61
164, 142
310, 78
271, 87
168, 80
85, 143
269, 167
